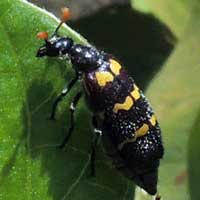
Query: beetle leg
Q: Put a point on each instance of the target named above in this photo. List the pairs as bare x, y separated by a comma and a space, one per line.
72, 123
121, 145
64, 92
97, 134
158, 197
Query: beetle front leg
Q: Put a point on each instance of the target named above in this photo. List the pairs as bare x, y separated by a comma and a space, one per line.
72, 122
97, 133
59, 98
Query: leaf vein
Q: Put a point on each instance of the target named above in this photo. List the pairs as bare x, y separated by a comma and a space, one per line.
77, 180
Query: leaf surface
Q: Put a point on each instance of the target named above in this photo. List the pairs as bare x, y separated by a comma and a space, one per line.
176, 14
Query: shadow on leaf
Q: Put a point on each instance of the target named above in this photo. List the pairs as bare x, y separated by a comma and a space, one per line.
140, 41
67, 169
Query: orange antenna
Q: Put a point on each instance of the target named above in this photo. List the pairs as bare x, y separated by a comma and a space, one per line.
66, 14
42, 35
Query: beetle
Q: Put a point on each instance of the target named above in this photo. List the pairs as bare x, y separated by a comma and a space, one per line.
121, 114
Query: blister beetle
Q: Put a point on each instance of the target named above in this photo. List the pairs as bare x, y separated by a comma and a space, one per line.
121, 113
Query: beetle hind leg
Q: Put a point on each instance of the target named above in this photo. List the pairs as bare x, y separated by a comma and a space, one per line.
72, 122
60, 97
97, 134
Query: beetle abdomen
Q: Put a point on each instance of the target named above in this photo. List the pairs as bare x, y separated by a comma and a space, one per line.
138, 160
131, 134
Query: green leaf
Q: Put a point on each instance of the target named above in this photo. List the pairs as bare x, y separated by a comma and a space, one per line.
176, 97
193, 159
30, 165
176, 14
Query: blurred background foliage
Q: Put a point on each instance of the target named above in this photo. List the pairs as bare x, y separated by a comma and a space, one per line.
157, 41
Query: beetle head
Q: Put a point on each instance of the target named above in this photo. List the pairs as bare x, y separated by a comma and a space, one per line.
56, 45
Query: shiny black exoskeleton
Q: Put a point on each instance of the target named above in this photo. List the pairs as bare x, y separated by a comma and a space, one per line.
83, 57
120, 112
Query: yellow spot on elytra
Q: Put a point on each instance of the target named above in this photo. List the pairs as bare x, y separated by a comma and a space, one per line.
153, 120
128, 103
135, 93
115, 67
136, 87
142, 130
104, 77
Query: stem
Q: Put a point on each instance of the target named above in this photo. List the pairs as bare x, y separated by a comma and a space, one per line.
140, 194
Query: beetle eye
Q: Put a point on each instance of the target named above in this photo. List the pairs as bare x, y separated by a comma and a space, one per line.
42, 52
